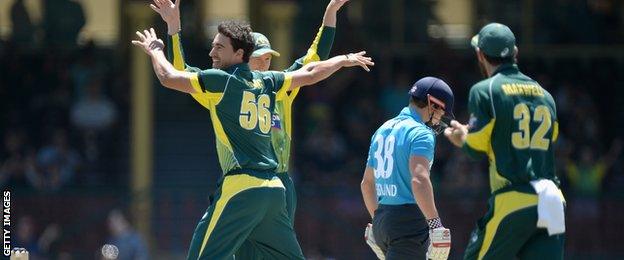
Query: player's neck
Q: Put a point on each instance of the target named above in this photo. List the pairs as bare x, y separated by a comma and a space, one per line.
422, 112
490, 69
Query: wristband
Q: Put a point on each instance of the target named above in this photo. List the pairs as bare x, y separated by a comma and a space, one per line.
434, 223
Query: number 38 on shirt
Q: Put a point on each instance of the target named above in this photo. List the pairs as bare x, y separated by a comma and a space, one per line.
384, 156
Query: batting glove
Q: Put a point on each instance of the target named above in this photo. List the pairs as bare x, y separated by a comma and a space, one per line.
370, 240
19, 254
439, 240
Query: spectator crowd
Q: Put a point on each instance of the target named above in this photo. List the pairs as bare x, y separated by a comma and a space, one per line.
64, 130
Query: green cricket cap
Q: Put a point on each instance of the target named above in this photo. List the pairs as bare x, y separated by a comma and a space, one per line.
262, 45
495, 40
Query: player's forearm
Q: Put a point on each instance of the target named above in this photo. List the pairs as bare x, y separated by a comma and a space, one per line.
174, 27
163, 72
423, 193
329, 18
167, 74
370, 196
318, 71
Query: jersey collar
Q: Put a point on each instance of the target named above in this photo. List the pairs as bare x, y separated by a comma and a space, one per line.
411, 112
504, 67
240, 66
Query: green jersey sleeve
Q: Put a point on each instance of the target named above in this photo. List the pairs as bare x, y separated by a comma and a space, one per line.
319, 50
278, 82
212, 81
175, 53
555, 119
481, 121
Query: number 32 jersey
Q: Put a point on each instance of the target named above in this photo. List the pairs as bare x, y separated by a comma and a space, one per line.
513, 120
241, 103
391, 147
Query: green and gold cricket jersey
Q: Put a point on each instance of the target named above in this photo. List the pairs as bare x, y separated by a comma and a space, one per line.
514, 121
281, 134
175, 54
241, 103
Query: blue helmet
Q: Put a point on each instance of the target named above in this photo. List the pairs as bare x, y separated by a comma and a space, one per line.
436, 91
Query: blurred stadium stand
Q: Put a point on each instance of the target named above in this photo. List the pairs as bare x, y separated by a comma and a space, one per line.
63, 194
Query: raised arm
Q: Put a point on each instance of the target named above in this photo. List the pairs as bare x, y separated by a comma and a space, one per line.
322, 43
317, 71
329, 18
168, 76
170, 13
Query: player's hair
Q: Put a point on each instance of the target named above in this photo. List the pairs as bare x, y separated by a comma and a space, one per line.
495, 61
419, 103
240, 35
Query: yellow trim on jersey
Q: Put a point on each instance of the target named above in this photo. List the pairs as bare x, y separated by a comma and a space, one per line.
286, 116
480, 140
178, 59
232, 185
555, 134
203, 98
195, 83
504, 205
218, 127
311, 56
283, 92
497, 180
293, 94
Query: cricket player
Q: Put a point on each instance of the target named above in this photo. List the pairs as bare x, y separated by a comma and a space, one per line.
396, 187
260, 60
281, 133
249, 203
513, 120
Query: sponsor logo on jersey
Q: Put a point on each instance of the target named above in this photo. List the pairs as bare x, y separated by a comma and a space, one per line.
256, 83
276, 122
472, 122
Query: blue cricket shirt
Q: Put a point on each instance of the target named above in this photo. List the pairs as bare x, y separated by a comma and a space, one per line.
391, 147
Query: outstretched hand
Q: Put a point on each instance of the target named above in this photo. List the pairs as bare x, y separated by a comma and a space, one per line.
359, 59
456, 133
169, 12
148, 41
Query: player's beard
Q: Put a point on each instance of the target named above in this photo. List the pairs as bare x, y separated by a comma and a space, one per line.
216, 65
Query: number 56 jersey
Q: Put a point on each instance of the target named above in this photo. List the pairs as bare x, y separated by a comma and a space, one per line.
513, 120
391, 147
241, 103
